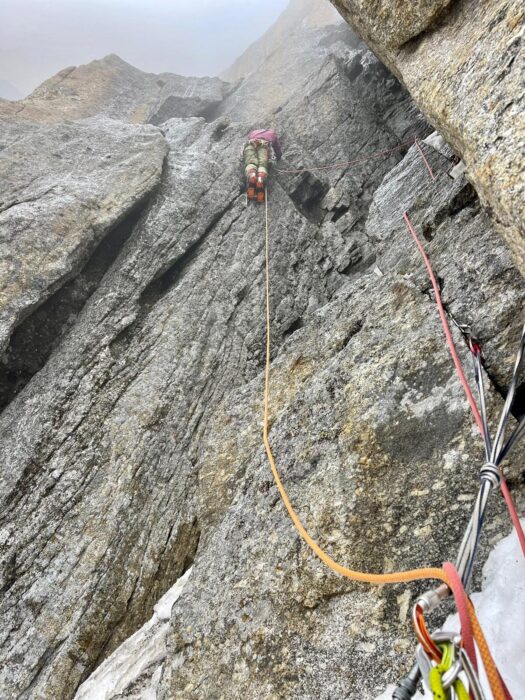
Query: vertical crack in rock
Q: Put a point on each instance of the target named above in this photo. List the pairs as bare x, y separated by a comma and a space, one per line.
182, 550
163, 282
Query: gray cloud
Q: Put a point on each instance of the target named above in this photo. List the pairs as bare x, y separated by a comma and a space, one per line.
191, 37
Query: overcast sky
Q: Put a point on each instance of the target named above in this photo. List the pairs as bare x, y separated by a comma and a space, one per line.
191, 37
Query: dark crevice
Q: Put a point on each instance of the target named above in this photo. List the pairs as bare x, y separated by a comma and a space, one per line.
465, 197
512, 52
354, 329
220, 130
355, 69
360, 261
518, 406
39, 334
162, 284
242, 293
307, 196
338, 212
189, 559
179, 554
211, 112
181, 107
427, 231
165, 281
294, 326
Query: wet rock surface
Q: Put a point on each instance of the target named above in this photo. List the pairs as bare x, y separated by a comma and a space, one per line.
131, 448
375, 444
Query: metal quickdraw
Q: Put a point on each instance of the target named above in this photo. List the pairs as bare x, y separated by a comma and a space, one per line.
443, 678
495, 452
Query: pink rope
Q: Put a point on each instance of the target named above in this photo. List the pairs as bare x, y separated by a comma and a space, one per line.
357, 161
416, 141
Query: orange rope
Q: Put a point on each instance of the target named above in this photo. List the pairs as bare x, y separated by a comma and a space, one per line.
496, 685
498, 688
378, 579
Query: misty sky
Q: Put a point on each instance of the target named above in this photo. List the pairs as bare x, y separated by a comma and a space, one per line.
191, 37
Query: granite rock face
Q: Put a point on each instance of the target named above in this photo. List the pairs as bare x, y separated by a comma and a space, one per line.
463, 63
131, 441
394, 22
113, 88
375, 444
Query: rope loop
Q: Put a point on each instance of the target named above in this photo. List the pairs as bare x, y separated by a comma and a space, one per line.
490, 472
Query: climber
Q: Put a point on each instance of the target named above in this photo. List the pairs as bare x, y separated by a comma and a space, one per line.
256, 153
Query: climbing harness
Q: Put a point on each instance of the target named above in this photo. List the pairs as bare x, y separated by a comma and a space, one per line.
440, 658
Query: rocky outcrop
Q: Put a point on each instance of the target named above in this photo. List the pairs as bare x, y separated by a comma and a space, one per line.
113, 88
462, 62
62, 189
131, 450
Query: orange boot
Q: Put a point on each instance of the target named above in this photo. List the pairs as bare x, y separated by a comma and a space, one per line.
251, 184
261, 187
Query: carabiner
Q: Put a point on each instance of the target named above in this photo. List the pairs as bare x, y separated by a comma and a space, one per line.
450, 676
474, 684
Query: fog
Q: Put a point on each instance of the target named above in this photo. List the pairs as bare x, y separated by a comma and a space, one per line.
190, 37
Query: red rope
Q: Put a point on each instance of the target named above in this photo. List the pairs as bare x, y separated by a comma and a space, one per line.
452, 348
513, 513
416, 141
467, 633
444, 322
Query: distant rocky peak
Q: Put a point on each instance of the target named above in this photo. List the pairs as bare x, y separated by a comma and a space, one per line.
114, 88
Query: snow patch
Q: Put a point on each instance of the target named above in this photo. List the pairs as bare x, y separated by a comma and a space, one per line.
138, 654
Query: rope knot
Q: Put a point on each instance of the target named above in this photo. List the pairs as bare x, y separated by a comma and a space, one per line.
490, 472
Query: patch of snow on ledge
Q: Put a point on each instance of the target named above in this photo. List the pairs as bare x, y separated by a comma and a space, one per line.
143, 650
